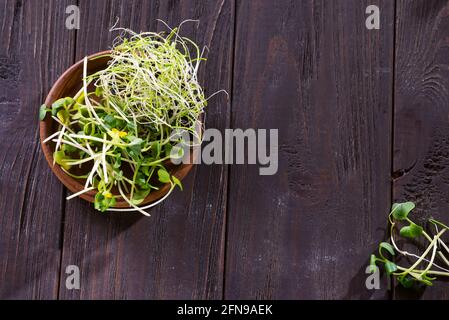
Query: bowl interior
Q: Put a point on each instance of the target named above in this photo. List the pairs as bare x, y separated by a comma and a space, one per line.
68, 85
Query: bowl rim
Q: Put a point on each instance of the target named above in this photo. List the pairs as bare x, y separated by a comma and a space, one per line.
179, 171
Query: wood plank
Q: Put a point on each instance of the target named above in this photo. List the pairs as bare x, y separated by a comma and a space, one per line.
178, 252
312, 70
35, 48
421, 151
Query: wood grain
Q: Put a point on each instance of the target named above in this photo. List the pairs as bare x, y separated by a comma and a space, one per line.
358, 111
421, 120
312, 70
35, 49
178, 252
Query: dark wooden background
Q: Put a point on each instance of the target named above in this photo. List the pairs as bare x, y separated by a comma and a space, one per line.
363, 119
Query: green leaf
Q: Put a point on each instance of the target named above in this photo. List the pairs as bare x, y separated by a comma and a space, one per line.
426, 282
110, 120
135, 141
130, 127
390, 267
372, 263
63, 116
163, 176
68, 101
103, 203
411, 231
135, 147
98, 91
139, 196
167, 149
425, 276
156, 149
386, 246
61, 104
176, 152
118, 175
141, 181
60, 159
118, 161
400, 211
146, 170
176, 182
43, 112
98, 200
80, 99
57, 105
406, 281
68, 148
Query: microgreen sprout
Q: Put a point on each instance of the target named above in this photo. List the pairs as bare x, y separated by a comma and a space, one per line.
424, 268
117, 137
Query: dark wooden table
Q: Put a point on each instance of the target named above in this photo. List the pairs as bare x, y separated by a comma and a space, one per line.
363, 119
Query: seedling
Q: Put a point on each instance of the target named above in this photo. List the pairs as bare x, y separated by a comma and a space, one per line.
121, 131
424, 270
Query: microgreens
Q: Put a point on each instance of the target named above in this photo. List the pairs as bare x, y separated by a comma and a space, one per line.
424, 269
121, 131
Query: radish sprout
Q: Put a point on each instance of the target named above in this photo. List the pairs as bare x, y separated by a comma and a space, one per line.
408, 276
117, 137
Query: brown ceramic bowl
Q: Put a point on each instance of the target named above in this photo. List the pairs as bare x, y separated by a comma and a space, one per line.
67, 86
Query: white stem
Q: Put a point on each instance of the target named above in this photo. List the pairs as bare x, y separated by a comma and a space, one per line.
73, 145
91, 175
79, 193
433, 255
145, 207
52, 136
86, 96
136, 208
405, 253
58, 142
103, 159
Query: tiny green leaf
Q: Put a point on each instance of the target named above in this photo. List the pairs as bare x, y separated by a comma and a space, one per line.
63, 116
400, 211
139, 196
80, 98
57, 105
411, 231
156, 149
163, 176
68, 148
60, 159
167, 149
372, 263
68, 101
103, 203
390, 267
406, 281
177, 182
386, 246
176, 152
42, 112
110, 120
98, 91
426, 282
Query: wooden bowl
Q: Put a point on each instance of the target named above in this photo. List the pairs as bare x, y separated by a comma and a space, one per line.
68, 85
